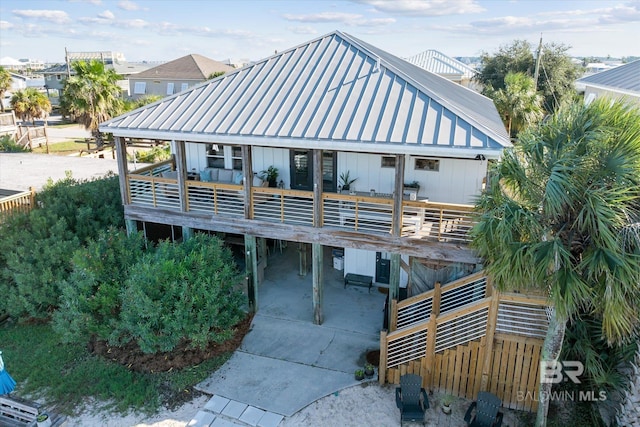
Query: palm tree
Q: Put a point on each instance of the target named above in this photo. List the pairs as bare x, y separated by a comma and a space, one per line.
5, 85
91, 96
30, 104
518, 102
561, 213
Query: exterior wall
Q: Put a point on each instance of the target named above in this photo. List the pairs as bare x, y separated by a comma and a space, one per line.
456, 181
592, 93
158, 86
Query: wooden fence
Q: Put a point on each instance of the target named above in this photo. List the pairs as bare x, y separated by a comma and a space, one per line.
15, 201
465, 337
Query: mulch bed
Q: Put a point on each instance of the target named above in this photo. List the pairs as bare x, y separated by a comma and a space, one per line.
182, 356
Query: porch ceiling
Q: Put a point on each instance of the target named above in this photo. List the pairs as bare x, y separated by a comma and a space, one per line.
334, 92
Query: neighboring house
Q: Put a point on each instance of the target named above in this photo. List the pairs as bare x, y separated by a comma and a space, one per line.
622, 82
315, 112
55, 75
445, 66
175, 76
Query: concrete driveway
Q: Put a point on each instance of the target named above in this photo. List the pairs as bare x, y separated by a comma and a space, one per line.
286, 362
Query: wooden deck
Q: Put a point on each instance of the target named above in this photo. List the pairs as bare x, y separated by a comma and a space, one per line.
12, 201
421, 220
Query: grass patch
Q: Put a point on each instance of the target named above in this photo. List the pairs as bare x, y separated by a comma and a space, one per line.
65, 375
62, 148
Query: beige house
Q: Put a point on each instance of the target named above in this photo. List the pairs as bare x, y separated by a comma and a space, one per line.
175, 76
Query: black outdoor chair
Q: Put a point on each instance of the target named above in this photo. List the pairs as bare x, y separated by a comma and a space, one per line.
486, 411
411, 398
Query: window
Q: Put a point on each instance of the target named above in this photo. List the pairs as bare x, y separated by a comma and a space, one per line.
215, 156
219, 156
184, 86
58, 77
170, 88
236, 157
388, 162
140, 88
427, 165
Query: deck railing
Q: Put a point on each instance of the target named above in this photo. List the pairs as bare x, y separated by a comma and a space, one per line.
17, 202
447, 336
443, 222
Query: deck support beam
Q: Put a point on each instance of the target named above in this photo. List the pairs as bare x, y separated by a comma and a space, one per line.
318, 285
251, 262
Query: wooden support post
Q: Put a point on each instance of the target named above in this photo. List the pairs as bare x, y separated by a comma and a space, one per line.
398, 189
430, 355
393, 321
248, 179
317, 188
123, 170
487, 351
317, 283
382, 366
262, 251
394, 281
302, 252
251, 262
187, 233
181, 167
132, 226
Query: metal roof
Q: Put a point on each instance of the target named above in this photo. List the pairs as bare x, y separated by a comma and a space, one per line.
623, 78
441, 64
333, 92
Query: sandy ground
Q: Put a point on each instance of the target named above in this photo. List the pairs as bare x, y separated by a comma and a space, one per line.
368, 404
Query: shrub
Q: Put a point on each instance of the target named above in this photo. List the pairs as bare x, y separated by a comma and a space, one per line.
154, 155
90, 298
9, 145
180, 292
36, 248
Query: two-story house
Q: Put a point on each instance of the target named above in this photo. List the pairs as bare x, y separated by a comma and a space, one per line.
418, 146
175, 76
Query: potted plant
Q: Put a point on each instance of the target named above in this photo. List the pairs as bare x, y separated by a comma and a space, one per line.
346, 180
369, 370
359, 375
270, 175
43, 420
447, 400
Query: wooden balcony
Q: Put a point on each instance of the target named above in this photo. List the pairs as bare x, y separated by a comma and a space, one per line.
441, 222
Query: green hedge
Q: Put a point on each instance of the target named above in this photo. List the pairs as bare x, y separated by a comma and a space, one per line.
36, 247
157, 298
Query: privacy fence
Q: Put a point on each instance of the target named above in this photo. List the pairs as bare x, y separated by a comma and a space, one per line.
465, 337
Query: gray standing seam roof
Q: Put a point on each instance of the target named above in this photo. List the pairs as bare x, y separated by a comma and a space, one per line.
439, 63
623, 77
335, 88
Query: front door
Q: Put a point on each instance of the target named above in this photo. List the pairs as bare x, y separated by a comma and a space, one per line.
301, 162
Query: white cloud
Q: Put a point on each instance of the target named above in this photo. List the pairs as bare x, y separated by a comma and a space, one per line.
425, 7
351, 19
107, 14
323, 17
128, 5
55, 16
5, 25
95, 2
302, 30
131, 23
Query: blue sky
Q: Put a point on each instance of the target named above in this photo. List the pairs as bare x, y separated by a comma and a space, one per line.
163, 30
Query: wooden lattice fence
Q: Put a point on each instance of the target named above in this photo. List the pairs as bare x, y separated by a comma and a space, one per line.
465, 337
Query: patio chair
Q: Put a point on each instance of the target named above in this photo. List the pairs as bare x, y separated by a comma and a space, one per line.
411, 398
486, 411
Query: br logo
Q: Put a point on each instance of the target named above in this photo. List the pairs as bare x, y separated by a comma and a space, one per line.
555, 372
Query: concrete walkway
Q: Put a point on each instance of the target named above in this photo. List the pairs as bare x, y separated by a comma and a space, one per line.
286, 362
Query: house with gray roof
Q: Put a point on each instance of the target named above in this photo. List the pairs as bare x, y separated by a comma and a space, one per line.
175, 76
621, 82
450, 68
414, 146
344, 151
